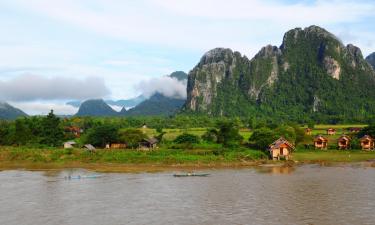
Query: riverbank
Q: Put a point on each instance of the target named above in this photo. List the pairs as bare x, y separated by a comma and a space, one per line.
163, 159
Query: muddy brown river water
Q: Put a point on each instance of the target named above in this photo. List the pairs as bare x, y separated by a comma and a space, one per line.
308, 194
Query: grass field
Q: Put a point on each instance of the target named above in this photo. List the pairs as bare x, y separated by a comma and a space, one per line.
171, 134
333, 156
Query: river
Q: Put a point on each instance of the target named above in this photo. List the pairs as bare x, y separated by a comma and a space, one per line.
309, 194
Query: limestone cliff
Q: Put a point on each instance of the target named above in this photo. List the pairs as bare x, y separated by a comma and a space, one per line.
311, 72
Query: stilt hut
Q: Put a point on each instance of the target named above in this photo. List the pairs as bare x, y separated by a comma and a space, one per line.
331, 131
367, 143
308, 131
320, 142
343, 142
281, 148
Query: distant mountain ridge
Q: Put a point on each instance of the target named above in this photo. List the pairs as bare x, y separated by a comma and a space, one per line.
8, 112
95, 107
127, 103
157, 104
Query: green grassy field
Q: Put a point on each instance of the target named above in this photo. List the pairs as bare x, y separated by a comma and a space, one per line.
160, 156
171, 134
333, 156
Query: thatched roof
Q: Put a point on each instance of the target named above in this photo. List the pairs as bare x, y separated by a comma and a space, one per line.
279, 142
366, 137
151, 140
320, 137
89, 147
344, 137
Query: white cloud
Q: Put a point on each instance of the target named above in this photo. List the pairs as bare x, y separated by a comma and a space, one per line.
29, 87
195, 23
43, 108
169, 87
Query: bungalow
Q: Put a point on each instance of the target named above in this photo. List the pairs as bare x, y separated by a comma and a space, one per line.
331, 131
320, 142
76, 131
69, 144
280, 148
343, 142
308, 131
354, 129
148, 144
367, 143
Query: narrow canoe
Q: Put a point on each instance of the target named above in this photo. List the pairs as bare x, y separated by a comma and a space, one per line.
83, 177
192, 175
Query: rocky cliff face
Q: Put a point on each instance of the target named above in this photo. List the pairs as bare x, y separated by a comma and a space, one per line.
312, 71
371, 59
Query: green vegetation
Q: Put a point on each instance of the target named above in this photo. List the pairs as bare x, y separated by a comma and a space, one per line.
161, 156
333, 156
221, 141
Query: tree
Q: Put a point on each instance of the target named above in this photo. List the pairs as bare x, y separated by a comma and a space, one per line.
22, 133
287, 132
369, 130
132, 137
228, 134
100, 135
262, 138
52, 132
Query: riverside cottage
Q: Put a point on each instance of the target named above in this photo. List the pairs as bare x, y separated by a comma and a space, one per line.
367, 143
281, 148
343, 142
355, 129
320, 142
148, 144
308, 131
331, 131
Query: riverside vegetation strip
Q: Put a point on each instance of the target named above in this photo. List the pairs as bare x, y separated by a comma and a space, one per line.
162, 159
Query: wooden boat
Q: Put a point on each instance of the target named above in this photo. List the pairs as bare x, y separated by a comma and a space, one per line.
83, 177
192, 175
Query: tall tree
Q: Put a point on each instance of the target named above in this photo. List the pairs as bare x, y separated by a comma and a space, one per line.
52, 132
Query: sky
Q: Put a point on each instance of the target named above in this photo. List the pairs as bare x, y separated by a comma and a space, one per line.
52, 52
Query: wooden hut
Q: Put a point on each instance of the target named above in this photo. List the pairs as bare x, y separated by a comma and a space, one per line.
331, 131
354, 129
367, 143
343, 142
308, 131
76, 131
148, 144
320, 142
281, 148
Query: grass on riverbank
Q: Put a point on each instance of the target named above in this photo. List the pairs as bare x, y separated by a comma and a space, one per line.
161, 156
333, 156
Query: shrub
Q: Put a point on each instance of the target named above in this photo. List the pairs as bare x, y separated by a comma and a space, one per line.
186, 138
228, 134
132, 137
210, 135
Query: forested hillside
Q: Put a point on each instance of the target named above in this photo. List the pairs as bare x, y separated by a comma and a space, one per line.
312, 75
